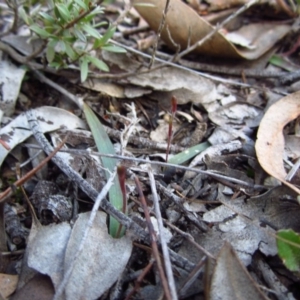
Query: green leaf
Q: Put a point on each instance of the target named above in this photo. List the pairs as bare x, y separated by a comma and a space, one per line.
112, 48
91, 31
50, 52
108, 34
82, 4
40, 31
55, 65
187, 154
79, 34
100, 24
280, 61
97, 11
84, 68
70, 52
25, 17
105, 146
70, 39
289, 248
100, 43
47, 17
61, 47
63, 12
100, 64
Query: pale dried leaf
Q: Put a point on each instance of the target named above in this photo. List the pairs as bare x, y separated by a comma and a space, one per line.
100, 264
245, 235
50, 119
46, 248
239, 40
104, 87
11, 78
270, 140
231, 279
184, 85
237, 113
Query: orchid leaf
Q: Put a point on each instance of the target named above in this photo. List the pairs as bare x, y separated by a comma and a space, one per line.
105, 146
187, 154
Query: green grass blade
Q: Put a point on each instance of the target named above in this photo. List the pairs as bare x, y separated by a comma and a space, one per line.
105, 146
187, 154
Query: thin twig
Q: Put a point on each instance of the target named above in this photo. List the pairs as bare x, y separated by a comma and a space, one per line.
160, 28
8, 191
163, 242
293, 170
190, 239
208, 173
179, 202
172, 64
78, 101
124, 13
139, 280
153, 239
192, 277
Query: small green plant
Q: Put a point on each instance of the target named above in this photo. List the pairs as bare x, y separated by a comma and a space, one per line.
70, 32
117, 193
288, 244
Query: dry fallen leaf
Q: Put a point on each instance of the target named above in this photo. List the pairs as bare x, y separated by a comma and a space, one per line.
185, 27
270, 140
231, 279
11, 79
46, 249
95, 269
98, 267
50, 119
8, 284
245, 237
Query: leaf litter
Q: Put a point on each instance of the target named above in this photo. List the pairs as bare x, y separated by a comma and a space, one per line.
220, 204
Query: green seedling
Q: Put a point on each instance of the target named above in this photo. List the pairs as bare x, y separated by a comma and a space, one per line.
288, 244
189, 153
70, 32
105, 146
279, 61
